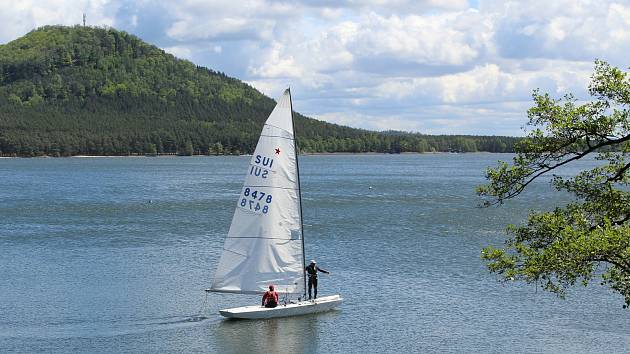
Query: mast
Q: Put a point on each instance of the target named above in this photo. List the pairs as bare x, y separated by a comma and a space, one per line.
297, 166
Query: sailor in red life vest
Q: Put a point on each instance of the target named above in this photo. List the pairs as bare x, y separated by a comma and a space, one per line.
270, 298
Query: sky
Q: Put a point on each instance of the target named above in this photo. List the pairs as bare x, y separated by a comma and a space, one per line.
428, 66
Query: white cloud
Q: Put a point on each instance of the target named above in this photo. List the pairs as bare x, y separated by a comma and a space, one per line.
20, 17
278, 64
179, 51
269, 88
488, 82
371, 43
567, 29
482, 119
420, 39
223, 19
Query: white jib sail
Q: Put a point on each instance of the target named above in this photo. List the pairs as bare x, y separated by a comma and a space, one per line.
264, 243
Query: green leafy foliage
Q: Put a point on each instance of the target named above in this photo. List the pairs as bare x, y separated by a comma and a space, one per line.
588, 238
96, 91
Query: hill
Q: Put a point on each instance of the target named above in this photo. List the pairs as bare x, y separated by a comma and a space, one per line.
95, 91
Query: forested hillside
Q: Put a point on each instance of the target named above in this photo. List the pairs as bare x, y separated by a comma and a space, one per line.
82, 90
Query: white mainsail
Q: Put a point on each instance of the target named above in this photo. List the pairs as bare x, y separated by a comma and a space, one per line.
264, 244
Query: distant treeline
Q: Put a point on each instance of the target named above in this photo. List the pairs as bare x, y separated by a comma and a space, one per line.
93, 91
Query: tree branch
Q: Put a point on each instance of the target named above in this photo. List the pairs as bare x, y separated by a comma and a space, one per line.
542, 170
608, 260
619, 173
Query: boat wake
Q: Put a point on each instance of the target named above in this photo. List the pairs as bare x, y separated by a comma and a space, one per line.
176, 320
106, 328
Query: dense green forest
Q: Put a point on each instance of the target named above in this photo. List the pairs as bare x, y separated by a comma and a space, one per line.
96, 91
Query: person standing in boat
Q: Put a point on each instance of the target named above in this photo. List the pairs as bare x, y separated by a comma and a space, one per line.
312, 270
270, 298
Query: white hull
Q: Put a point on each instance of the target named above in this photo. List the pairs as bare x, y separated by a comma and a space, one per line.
301, 308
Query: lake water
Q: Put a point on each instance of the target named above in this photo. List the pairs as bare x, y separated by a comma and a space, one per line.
113, 254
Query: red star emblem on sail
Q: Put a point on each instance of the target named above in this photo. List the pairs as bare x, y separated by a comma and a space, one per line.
277, 151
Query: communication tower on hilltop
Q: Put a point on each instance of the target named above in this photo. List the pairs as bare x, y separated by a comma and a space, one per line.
84, 19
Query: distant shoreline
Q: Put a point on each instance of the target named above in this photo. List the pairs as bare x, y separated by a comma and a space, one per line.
304, 154
401, 153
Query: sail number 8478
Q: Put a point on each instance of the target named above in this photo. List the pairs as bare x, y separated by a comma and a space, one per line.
257, 198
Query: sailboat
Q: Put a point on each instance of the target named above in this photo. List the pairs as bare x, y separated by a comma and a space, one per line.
265, 243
